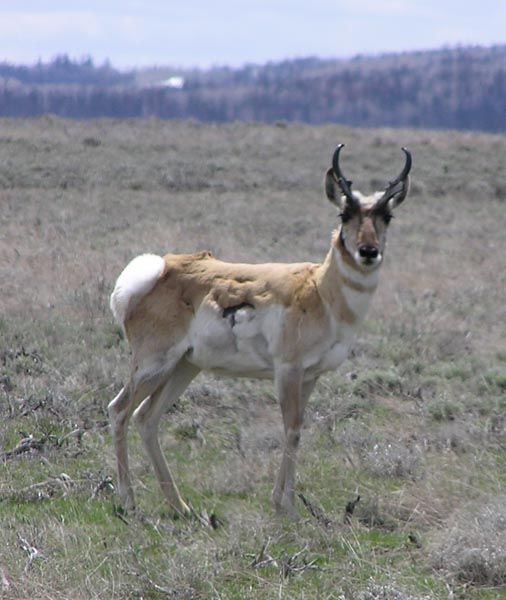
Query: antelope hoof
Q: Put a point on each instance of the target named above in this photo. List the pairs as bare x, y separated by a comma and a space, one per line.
126, 503
181, 510
285, 508
289, 511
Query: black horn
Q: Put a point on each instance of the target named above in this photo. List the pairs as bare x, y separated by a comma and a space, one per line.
398, 186
343, 183
405, 171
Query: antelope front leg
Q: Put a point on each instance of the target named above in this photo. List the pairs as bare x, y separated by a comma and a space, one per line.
293, 396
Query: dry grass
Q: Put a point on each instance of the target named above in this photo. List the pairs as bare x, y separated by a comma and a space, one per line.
473, 548
413, 422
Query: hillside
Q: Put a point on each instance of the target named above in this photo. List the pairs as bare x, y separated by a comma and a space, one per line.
414, 422
459, 88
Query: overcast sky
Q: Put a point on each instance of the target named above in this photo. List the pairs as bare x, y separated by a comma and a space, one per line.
204, 33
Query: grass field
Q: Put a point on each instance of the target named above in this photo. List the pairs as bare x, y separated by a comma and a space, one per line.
414, 422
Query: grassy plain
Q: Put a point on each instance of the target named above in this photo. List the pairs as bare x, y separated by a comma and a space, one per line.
414, 422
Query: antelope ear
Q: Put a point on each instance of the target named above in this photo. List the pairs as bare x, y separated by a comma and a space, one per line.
332, 190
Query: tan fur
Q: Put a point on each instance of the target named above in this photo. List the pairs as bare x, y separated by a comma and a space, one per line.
305, 289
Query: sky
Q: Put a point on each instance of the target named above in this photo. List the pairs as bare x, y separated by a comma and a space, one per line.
206, 33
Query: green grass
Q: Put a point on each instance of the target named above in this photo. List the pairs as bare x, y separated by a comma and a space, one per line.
413, 422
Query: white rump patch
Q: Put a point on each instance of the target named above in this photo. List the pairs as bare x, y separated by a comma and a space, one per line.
135, 281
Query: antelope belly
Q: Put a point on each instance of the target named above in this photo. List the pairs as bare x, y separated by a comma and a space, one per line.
224, 344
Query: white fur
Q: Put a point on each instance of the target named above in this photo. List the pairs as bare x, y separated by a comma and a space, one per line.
366, 201
241, 349
336, 355
134, 282
366, 279
358, 302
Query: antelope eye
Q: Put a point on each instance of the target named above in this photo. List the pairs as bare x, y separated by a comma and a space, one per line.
387, 217
345, 216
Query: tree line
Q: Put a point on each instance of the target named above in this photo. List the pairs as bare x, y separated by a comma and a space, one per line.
460, 88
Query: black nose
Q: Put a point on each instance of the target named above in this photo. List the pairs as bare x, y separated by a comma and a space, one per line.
368, 251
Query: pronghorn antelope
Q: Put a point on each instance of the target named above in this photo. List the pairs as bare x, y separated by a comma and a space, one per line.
287, 322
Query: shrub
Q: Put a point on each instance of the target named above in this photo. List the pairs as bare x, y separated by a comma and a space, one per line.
472, 547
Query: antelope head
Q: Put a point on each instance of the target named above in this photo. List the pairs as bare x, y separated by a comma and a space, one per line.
365, 218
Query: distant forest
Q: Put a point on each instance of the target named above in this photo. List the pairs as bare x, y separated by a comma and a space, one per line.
458, 88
